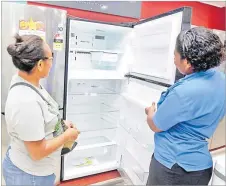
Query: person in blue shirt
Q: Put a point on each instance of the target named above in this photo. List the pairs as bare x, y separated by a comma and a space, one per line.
189, 112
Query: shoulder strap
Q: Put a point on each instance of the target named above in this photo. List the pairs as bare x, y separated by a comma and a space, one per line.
28, 85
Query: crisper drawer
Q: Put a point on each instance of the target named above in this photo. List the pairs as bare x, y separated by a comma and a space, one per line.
133, 169
106, 86
86, 162
92, 122
97, 103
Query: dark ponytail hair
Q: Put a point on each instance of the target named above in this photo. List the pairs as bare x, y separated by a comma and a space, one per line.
26, 52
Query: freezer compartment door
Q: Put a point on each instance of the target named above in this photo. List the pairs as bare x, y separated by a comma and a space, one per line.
154, 43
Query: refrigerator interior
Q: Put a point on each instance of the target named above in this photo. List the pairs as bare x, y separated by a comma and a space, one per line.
107, 107
97, 50
95, 82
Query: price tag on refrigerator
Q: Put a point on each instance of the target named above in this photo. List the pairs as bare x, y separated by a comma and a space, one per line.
58, 42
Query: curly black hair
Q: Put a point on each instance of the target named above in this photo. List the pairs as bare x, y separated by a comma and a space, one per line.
201, 47
26, 52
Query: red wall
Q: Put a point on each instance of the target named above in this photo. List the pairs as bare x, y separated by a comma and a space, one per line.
202, 14
88, 14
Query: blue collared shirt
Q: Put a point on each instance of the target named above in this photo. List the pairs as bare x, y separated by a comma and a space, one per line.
188, 114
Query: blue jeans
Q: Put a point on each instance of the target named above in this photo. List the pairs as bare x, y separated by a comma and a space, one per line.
14, 176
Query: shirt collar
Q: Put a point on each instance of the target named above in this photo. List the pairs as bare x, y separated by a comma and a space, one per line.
195, 74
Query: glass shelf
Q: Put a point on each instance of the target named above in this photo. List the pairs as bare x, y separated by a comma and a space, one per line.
97, 103
95, 86
93, 122
95, 50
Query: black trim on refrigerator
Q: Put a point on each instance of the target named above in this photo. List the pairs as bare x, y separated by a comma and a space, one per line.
143, 78
161, 15
65, 87
185, 25
125, 24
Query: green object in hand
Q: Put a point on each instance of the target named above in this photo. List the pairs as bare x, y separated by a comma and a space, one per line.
60, 128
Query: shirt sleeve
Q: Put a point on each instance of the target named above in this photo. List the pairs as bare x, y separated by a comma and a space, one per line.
29, 122
170, 112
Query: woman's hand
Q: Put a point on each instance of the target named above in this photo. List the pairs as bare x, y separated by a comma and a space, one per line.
42, 148
71, 134
150, 109
69, 124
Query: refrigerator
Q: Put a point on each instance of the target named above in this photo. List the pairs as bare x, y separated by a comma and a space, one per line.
48, 23
112, 72
45, 22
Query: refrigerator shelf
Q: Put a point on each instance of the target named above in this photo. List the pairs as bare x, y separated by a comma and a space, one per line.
94, 93
94, 98
133, 168
84, 110
94, 121
93, 142
91, 108
93, 103
84, 162
90, 50
94, 74
144, 137
139, 153
95, 86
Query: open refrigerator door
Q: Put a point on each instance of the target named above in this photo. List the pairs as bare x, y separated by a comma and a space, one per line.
151, 73
222, 36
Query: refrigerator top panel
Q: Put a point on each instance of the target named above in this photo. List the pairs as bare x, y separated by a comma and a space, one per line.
89, 25
154, 42
96, 36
